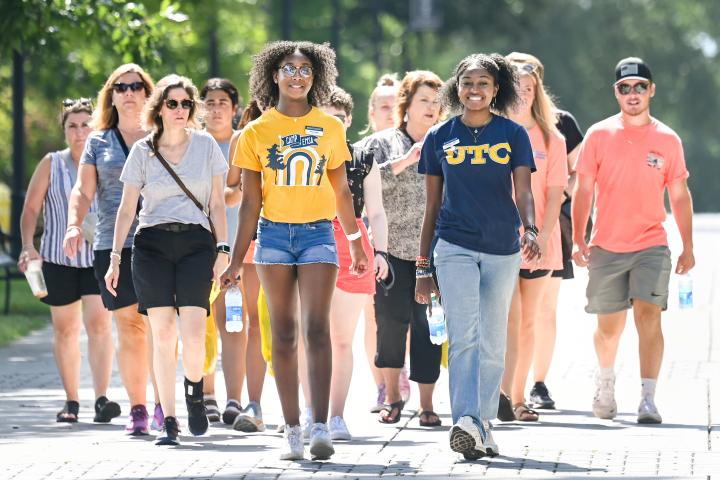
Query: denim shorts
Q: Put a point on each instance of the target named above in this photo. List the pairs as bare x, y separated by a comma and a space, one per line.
295, 243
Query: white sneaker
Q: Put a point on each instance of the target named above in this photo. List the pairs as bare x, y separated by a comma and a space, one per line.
604, 405
306, 422
647, 411
465, 438
491, 448
294, 448
339, 430
321, 447
250, 419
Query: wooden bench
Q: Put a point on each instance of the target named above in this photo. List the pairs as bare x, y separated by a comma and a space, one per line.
9, 272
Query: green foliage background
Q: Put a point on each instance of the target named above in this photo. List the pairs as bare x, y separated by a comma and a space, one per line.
72, 46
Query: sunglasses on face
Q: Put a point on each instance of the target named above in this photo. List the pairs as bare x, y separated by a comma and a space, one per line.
123, 87
185, 104
290, 70
71, 102
626, 88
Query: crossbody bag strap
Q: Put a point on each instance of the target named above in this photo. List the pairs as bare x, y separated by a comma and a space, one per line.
182, 186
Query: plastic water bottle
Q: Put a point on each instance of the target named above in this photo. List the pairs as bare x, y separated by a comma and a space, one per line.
436, 322
233, 310
685, 296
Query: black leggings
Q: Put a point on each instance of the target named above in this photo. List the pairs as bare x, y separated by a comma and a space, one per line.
394, 313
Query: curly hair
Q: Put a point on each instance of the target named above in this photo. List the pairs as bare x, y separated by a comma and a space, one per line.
151, 119
341, 100
322, 58
503, 75
409, 87
106, 115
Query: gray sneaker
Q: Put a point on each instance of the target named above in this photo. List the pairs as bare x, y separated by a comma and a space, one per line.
491, 448
293, 448
604, 405
250, 419
466, 438
648, 412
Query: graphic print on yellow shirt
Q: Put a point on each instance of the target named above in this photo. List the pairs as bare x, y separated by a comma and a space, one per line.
294, 154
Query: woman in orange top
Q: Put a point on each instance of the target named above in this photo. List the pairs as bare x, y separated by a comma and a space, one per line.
293, 160
535, 112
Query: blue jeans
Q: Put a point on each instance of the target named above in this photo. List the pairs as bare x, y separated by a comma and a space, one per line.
295, 243
476, 291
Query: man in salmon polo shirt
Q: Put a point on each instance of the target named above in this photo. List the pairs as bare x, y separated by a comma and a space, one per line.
629, 160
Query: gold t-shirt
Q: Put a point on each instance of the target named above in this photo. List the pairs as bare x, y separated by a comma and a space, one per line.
294, 154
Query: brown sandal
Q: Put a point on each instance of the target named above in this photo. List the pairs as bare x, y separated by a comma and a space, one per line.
426, 419
524, 413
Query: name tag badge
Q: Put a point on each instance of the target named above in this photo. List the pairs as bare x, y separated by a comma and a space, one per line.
314, 131
450, 144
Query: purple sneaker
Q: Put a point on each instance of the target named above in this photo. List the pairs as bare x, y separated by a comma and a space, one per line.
138, 421
158, 418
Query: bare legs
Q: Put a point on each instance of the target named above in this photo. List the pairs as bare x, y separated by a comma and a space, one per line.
66, 344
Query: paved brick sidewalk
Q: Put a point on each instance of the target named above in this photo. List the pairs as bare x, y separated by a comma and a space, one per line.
567, 443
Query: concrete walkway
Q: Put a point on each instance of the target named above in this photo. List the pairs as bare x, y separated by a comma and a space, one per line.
568, 443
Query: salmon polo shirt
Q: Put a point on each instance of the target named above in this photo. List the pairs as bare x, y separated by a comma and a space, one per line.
632, 166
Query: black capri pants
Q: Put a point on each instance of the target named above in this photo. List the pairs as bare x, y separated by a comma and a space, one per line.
172, 266
394, 313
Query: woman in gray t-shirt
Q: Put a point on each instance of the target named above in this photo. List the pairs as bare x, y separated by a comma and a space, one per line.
174, 257
116, 121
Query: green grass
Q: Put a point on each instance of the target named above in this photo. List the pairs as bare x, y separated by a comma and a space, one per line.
27, 313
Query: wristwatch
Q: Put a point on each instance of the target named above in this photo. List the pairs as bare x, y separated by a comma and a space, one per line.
532, 229
223, 248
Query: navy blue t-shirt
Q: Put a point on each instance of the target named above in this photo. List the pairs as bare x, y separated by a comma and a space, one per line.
478, 210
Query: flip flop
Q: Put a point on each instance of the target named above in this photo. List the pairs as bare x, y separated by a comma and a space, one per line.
425, 415
386, 414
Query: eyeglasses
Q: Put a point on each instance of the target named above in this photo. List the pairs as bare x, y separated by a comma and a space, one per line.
626, 88
524, 67
290, 70
123, 87
185, 104
71, 102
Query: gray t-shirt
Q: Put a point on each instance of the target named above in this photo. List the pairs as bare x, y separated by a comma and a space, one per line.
104, 152
163, 200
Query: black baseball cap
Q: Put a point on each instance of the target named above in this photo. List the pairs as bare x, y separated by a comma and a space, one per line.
632, 68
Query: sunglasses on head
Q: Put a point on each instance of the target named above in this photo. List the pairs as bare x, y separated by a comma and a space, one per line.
290, 70
123, 87
71, 102
173, 104
626, 88
524, 67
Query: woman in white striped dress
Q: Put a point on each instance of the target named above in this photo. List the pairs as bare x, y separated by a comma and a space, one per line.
73, 292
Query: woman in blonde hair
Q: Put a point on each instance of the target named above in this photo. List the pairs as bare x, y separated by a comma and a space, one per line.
535, 112
117, 124
175, 257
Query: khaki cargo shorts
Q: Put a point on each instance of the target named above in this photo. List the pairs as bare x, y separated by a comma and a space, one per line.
616, 279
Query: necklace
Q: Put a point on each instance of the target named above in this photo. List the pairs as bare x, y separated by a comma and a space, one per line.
474, 131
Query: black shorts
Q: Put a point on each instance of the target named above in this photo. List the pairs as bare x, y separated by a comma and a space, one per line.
173, 268
66, 285
395, 313
528, 275
125, 290
566, 241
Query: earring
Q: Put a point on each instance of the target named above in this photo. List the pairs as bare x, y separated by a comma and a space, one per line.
405, 118
493, 102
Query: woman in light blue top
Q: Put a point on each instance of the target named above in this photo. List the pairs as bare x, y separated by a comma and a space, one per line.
117, 127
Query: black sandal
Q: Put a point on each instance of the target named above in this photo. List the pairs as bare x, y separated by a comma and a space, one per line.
105, 410
69, 413
505, 409
386, 414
